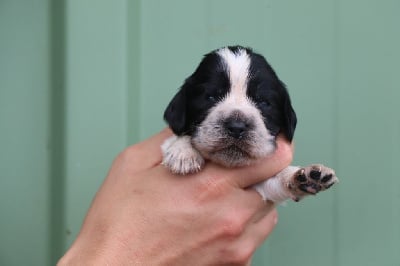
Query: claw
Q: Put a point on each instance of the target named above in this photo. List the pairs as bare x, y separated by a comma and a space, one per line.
295, 199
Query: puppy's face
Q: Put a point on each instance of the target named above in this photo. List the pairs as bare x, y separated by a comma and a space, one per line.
233, 107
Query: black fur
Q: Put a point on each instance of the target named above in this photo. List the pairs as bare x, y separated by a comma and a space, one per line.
210, 83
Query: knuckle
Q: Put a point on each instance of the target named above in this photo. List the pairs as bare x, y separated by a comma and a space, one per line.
232, 225
242, 256
239, 255
129, 152
127, 157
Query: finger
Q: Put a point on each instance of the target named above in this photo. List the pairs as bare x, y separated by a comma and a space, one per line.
147, 153
253, 236
249, 206
259, 231
252, 201
263, 228
263, 207
282, 157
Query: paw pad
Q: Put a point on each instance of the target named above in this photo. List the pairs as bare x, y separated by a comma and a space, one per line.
311, 180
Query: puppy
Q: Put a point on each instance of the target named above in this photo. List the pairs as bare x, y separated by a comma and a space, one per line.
230, 111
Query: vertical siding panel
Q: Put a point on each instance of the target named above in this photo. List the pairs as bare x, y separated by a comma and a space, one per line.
57, 133
369, 133
25, 132
134, 60
95, 100
394, 217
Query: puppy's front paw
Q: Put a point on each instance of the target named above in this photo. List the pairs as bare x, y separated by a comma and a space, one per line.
310, 180
183, 161
180, 157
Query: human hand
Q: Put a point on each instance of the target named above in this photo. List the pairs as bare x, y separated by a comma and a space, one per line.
144, 215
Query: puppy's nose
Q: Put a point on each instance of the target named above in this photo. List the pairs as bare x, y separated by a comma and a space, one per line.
236, 128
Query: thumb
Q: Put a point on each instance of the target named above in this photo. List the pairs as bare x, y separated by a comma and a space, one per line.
267, 167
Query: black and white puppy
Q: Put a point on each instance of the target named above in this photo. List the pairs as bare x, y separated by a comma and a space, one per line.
230, 111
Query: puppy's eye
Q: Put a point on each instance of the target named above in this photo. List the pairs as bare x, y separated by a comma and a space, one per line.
262, 102
211, 98
214, 95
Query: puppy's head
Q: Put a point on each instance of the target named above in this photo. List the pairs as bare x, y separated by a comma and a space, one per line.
233, 107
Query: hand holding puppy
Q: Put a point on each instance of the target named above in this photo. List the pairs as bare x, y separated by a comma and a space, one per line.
144, 215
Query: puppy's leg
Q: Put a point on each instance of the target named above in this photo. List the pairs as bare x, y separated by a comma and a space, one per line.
295, 183
180, 156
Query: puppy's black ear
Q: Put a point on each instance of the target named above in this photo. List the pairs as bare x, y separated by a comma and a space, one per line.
175, 114
290, 119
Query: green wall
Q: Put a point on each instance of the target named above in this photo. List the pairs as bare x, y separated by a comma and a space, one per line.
82, 79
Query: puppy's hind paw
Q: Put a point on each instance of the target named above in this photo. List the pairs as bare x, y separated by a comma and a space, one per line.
310, 180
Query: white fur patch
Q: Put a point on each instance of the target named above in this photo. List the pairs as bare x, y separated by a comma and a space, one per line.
180, 156
275, 189
237, 65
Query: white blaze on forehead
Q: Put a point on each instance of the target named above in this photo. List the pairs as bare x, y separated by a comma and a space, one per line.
237, 65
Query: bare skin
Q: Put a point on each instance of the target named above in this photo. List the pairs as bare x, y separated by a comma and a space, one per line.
144, 215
